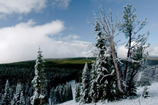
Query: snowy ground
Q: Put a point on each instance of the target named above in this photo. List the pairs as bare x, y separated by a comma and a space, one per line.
152, 100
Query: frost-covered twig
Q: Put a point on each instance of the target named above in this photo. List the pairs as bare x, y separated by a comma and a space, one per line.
105, 76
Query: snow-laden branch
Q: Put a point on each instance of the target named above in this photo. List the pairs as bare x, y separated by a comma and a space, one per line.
134, 61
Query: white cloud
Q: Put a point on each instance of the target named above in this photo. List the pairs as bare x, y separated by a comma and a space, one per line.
62, 4
70, 37
153, 50
21, 6
21, 42
122, 52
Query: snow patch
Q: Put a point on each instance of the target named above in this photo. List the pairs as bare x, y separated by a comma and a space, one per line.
152, 100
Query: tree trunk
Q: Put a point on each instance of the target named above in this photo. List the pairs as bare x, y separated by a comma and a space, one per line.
127, 62
40, 97
116, 68
134, 72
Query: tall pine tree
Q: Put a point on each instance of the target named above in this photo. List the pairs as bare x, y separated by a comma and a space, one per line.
18, 98
6, 99
93, 89
85, 85
77, 92
103, 73
39, 81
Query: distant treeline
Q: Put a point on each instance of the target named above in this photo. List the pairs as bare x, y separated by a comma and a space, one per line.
153, 61
58, 71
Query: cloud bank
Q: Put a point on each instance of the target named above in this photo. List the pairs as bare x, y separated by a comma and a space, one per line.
21, 6
21, 42
153, 50
27, 6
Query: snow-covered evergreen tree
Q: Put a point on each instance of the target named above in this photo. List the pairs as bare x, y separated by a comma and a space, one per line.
58, 94
103, 85
52, 98
77, 92
39, 81
18, 98
93, 90
67, 92
6, 99
85, 85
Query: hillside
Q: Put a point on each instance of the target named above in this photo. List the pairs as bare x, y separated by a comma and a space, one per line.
73, 63
152, 100
65, 62
58, 71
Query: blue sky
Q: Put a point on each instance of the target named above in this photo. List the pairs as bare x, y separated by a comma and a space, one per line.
61, 28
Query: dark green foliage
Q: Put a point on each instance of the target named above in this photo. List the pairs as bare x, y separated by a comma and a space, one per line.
68, 63
77, 92
57, 71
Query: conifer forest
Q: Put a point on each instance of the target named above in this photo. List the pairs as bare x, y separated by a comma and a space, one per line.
102, 76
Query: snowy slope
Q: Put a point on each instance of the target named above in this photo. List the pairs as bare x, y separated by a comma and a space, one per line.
152, 100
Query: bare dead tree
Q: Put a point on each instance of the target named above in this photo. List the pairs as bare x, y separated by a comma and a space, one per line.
109, 28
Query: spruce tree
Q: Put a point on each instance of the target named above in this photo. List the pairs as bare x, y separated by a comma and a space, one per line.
93, 89
103, 73
61, 94
52, 98
77, 92
18, 98
58, 94
85, 85
6, 100
68, 95
39, 81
